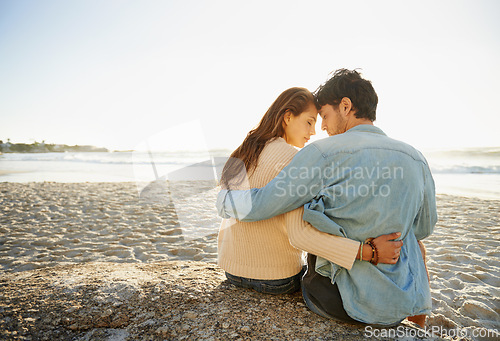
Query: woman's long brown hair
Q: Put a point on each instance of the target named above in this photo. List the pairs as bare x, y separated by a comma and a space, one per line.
294, 100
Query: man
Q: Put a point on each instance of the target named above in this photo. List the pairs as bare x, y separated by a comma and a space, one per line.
356, 183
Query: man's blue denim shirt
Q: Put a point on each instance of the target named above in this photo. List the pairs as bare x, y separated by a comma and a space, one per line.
359, 184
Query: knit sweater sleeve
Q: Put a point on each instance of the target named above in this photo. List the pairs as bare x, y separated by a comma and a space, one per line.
302, 235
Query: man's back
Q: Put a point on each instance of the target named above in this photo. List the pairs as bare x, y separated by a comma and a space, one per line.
373, 185
370, 182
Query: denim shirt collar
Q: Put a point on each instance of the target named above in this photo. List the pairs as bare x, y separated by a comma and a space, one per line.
366, 128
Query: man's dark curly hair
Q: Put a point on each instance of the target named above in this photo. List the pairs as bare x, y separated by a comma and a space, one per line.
349, 83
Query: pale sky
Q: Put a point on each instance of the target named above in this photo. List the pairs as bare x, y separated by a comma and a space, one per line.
118, 73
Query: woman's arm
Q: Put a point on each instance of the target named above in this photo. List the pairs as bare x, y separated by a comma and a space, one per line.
339, 250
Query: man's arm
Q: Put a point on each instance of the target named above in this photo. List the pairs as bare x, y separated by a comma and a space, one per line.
339, 250
295, 185
302, 235
427, 216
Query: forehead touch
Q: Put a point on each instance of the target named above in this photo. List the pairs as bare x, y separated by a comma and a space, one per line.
325, 108
311, 111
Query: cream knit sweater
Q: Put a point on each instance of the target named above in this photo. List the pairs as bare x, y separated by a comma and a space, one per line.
263, 249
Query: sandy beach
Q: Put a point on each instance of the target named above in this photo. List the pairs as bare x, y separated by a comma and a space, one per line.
45, 224
77, 248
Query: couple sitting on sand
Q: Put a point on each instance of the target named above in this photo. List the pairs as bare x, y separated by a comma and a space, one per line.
358, 202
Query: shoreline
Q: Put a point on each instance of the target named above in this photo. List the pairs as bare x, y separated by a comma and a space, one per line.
458, 193
8, 172
470, 173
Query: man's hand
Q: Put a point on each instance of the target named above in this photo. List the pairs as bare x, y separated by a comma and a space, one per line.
388, 249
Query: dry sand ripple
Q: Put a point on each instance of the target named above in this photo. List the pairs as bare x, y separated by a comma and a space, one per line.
464, 264
44, 224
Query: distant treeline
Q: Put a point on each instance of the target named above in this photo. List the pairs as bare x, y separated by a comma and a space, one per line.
42, 147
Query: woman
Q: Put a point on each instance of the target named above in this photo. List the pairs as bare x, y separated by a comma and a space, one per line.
260, 255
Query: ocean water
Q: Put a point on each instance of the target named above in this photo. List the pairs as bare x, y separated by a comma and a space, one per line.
471, 172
